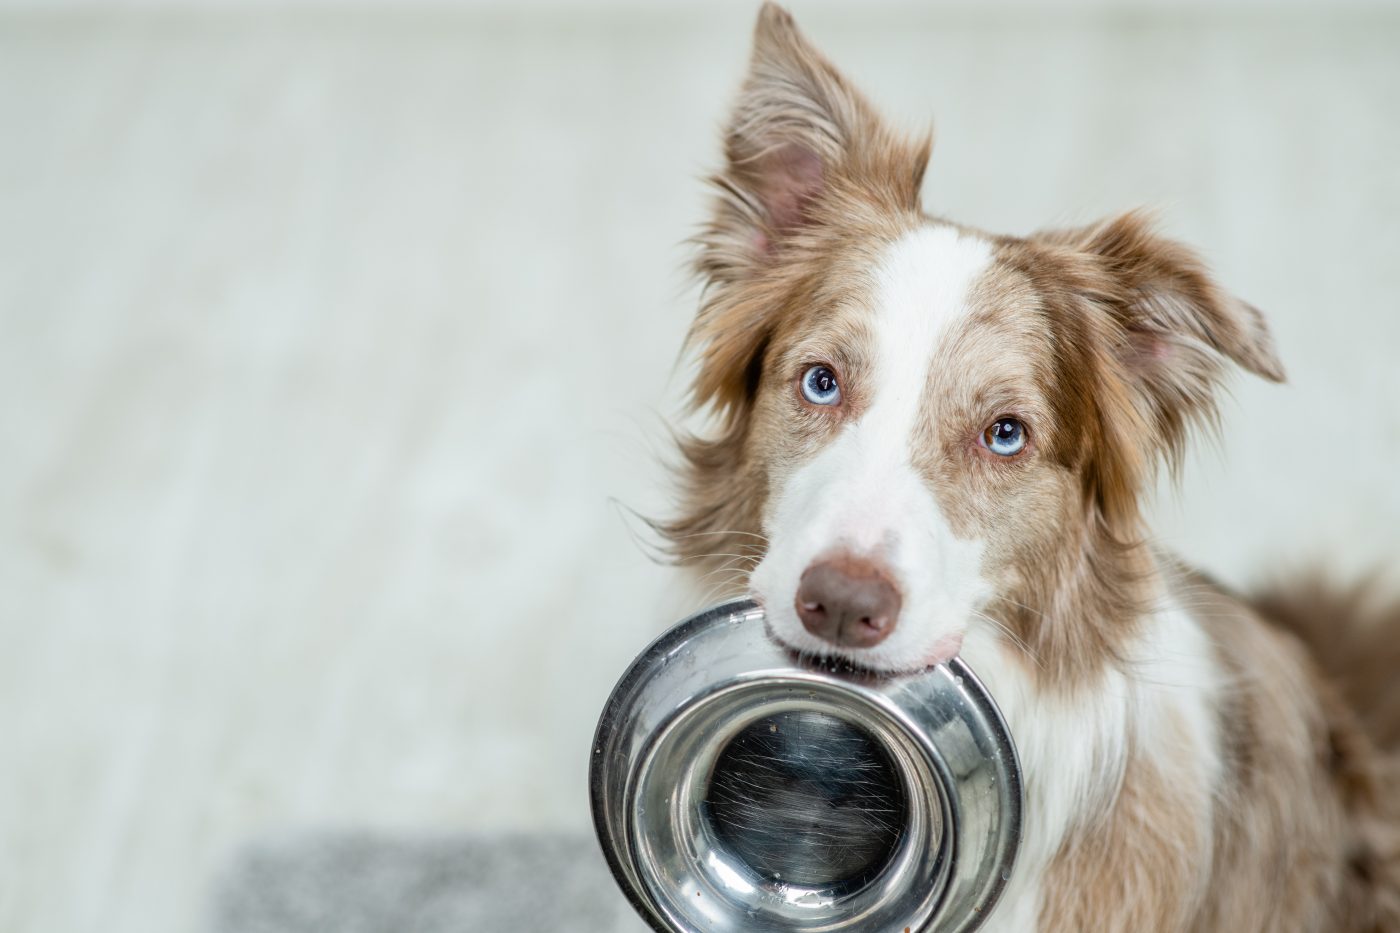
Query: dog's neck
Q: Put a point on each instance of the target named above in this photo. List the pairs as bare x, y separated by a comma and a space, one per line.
1153, 695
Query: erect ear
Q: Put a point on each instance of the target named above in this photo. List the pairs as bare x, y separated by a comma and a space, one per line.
802, 149
798, 131
1170, 327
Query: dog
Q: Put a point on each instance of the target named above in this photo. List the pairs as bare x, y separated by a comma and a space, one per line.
928, 440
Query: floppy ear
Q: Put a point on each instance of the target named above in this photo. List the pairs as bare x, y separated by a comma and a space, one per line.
1170, 329
1171, 310
802, 149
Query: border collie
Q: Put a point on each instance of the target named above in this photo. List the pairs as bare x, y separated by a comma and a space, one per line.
930, 440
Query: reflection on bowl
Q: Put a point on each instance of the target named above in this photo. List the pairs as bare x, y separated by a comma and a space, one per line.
735, 787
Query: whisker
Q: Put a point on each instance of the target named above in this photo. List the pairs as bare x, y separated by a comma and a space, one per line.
1020, 605
750, 559
653, 551
728, 531
727, 567
1011, 636
734, 580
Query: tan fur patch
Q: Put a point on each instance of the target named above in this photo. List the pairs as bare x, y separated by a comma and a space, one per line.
1306, 828
1354, 634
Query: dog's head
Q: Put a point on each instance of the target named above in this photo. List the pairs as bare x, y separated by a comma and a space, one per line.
925, 430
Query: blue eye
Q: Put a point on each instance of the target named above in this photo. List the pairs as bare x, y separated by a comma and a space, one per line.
1006, 437
819, 386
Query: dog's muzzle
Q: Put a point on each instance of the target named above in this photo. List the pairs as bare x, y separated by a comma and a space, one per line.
735, 788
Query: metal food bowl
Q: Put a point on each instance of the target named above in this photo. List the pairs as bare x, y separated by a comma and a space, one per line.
737, 787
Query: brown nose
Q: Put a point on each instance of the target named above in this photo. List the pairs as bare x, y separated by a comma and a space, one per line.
847, 601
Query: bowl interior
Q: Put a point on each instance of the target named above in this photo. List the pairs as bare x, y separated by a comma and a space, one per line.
806, 797
789, 804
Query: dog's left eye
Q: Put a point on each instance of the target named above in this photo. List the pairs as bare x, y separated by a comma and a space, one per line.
1006, 437
819, 386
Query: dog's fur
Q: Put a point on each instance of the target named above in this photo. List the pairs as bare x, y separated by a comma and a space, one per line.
1189, 763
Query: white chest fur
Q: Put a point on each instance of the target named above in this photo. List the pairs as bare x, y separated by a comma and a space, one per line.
1074, 744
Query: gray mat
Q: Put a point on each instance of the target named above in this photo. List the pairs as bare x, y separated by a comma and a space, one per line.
370, 883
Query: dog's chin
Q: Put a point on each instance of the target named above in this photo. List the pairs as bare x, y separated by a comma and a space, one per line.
789, 634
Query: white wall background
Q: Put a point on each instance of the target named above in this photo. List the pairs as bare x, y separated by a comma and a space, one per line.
328, 334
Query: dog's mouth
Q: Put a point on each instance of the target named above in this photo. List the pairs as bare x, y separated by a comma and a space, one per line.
837, 660
828, 663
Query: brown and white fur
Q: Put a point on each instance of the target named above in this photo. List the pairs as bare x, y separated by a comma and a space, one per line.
1188, 764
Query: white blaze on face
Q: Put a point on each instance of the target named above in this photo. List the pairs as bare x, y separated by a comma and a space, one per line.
861, 494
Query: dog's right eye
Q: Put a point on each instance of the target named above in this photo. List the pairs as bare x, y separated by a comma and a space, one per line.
819, 386
1006, 437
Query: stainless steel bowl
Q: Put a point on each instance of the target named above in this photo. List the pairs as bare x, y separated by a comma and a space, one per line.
737, 787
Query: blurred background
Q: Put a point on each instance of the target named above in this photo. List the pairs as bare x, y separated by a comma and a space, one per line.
339, 338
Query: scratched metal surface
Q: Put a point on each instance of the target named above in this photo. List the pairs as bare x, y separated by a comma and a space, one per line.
808, 798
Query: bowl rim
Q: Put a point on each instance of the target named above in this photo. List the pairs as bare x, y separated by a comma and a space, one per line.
611, 805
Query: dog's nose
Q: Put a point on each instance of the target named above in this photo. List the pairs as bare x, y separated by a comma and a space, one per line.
848, 601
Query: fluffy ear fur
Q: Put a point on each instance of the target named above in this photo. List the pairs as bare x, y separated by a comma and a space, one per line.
1170, 329
806, 159
801, 146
